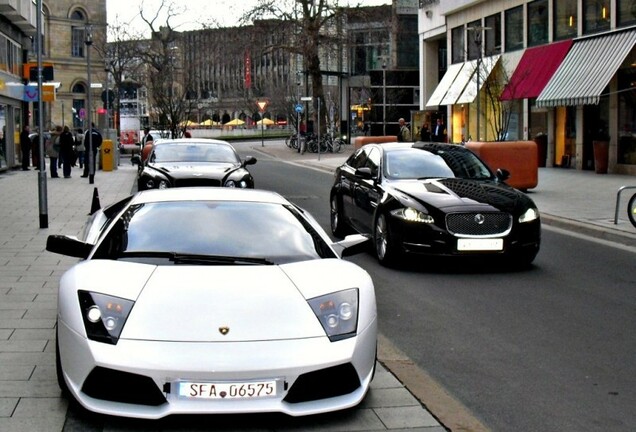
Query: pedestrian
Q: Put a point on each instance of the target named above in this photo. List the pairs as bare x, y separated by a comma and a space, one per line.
186, 133
53, 150
80, 148
25, 147
67, 142
439, 131
405, 133
35, 149
425, 132
146, 144
92, 142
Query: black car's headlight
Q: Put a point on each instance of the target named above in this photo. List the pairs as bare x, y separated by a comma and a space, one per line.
104, 316
529, 215
237, 184
338, 313
410, 214
157, 184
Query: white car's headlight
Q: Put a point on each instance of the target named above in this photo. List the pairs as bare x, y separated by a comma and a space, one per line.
104, 316
338, 313
410, 214
530, 215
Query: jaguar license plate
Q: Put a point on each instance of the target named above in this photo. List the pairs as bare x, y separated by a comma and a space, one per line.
495, 244
227, 390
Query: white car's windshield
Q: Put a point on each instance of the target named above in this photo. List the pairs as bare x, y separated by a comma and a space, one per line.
217, 228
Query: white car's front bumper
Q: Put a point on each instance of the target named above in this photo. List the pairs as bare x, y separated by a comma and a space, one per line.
166, 363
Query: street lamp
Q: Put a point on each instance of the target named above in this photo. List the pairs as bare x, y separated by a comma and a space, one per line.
384, 97
89, 119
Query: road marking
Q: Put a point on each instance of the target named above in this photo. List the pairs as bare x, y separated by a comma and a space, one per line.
445, 408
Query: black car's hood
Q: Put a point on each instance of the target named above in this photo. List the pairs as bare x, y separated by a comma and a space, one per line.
196, 169
448, 193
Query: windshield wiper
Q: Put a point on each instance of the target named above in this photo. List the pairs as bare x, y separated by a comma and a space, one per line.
180, 258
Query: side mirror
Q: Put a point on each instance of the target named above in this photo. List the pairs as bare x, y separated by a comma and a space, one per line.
69, 246
249, 160
503, 174
364, 173
352, 245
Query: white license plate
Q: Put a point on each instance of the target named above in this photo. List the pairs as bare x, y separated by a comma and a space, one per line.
227, 390
479, 244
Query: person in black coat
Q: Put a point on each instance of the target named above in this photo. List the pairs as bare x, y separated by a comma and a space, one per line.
93, 138
67, 141
25, 147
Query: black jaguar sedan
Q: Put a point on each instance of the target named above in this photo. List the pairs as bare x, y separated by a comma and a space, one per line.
433, 199
193, 162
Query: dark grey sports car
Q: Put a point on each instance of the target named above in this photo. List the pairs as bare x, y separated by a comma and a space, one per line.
432, 199
193, 162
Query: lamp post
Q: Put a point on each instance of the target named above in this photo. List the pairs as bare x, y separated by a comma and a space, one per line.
89, 119
477, 34
384, 97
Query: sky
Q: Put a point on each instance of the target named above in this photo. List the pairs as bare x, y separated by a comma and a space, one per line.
226, 12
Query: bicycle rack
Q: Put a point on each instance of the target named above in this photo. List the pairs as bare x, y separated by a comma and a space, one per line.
618, 201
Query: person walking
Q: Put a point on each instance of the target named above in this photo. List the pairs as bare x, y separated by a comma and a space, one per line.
53, 150
80, 148
25, 147
405, 132
67, 141
92, 134
35, 151
146, 144
439, 131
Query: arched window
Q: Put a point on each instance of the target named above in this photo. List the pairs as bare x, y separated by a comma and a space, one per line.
78, 34
78, 88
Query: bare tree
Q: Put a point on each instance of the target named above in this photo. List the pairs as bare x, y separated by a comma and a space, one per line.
313, 28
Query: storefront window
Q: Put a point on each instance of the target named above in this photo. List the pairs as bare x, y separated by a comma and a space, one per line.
492, 36
457, 44
538, 22
565, 19
626, 12
17, 122
514, 28
596, 16
626, 118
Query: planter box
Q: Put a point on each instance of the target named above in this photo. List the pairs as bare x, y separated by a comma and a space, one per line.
362, 140
520, 158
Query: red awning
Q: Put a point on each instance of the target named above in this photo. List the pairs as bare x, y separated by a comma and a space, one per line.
535, 69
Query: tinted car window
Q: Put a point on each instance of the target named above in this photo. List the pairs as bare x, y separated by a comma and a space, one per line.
237, 229
373, 161
414, 164
193, 153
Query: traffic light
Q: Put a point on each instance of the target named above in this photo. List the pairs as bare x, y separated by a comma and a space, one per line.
47, 73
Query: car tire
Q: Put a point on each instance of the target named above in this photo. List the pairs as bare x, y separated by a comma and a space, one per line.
385, 248
631, 210
58, 369
338, 227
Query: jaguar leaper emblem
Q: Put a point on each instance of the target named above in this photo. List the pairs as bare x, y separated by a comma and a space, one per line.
479, 218
224, 330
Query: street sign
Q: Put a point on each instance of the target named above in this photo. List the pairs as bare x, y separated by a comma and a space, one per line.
298, 108
261, 105
96, 85
306, 98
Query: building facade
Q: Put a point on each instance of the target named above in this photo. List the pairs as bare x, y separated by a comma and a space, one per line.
559, 72
18, 26
72, 28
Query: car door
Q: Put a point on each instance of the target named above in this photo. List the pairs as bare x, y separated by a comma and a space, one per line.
367, 191
347, 180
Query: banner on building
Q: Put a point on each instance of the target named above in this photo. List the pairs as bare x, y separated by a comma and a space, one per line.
248, 69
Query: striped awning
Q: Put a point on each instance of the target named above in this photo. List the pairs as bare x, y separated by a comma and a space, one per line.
587, 69
443, 86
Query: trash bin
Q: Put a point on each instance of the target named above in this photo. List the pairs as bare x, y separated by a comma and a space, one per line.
107, 153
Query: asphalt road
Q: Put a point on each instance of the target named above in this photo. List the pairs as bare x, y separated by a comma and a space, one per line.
550, 348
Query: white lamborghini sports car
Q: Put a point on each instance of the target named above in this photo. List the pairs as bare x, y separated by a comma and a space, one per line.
212, 300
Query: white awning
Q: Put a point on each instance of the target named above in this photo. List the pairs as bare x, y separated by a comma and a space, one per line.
470, 91
457, 87
444, 84
587, 70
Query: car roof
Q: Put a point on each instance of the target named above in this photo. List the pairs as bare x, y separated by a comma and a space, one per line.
208, 194
190, 141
